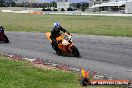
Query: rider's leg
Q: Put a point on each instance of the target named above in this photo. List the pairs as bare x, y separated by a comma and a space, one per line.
55, 47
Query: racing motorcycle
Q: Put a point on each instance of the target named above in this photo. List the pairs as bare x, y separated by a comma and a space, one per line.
65, 44
3, 37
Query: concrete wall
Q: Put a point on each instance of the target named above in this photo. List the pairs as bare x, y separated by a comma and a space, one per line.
128, 7
20, 8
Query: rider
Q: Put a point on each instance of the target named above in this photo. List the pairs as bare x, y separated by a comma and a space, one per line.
55, 32
1, 29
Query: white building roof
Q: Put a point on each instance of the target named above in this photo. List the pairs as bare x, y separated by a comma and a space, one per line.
119, 3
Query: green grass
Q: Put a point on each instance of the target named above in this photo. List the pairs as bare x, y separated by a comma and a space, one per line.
20, 74
95, 25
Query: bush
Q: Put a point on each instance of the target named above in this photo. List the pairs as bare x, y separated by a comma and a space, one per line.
83, 8
46, 9
70, 9
55, 10
62, 9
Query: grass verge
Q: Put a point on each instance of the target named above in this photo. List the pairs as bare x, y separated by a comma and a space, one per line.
23, 75
95, 25
20, 74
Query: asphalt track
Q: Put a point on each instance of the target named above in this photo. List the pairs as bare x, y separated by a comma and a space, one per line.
104, 54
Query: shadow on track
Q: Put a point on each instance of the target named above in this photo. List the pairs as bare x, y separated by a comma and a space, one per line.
67, 55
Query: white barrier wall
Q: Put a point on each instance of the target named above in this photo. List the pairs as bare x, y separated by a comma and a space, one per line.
11, 11
128, 7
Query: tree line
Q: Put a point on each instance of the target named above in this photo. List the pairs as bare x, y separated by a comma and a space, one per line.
46, 6
4, 3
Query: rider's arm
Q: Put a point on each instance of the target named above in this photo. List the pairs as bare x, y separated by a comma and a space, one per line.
64, 30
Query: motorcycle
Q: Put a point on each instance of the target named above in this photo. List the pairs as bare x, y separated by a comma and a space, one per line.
65, 44
3, 38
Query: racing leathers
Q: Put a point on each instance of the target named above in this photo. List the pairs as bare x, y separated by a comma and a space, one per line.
55, 32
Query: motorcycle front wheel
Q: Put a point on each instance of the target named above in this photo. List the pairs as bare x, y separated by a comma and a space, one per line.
75, 51
5, 39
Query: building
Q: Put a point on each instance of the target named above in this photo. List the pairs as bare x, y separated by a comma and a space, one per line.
94, 2
117, 0
128, 7
118, 6
63, 4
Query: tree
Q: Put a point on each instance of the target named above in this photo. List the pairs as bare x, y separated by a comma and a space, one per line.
81, 5
78, 5
83, 8
54, 4
43, 5
13, 4
1, 3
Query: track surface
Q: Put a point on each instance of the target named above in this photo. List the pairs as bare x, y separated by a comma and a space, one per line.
104, 54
